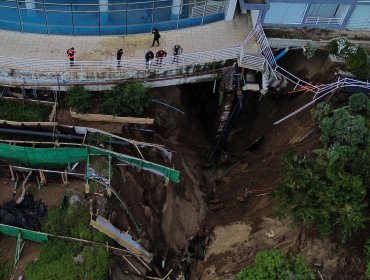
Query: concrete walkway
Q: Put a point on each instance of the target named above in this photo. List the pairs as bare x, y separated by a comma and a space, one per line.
213, 36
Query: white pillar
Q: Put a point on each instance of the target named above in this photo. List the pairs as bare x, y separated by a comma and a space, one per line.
103, 9
229, 15
175, 11
255, 14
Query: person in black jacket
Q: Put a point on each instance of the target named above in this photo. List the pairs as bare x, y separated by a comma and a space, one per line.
119, 57
156, 37
148, 58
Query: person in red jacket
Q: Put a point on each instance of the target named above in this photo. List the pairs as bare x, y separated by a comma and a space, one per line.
71, 55
159, 56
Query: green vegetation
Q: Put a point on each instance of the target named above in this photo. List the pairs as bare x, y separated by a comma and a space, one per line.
327, 187
14, 111
272, 265
5, 269
79, 99
354, 57
367, 253
310, 50
130, 99
69, 260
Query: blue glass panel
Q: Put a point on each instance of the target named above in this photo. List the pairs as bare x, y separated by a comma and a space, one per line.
34, 28
59, 18
190, 22
5, 3
86, 19
163, 3
162, 14
60, 29
137, 17
58, 7
140, 5
213, 18
113, 30
32, 16
9, 14
8, 25
86, 30
142, 28
116, 18
169, 25
85, 8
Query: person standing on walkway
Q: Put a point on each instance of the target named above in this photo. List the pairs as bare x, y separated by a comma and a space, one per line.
119, 57
159, 56
71, 55
177, 50
156, 37
148, 58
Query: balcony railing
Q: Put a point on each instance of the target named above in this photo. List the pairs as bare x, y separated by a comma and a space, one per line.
324, 21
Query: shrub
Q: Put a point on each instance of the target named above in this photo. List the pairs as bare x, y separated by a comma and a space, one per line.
14, 111
359, 103
272, 265
56, 258
310, 50
343, 128
5, 269
130, 99
355, 57
317, 191
79, 99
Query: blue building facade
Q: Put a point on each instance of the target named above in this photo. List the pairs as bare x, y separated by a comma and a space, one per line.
340, 14
107, 17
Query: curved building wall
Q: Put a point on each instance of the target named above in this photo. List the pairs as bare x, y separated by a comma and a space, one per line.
107, 17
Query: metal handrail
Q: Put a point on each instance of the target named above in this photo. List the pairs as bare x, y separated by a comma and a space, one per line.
324, 20
322, 92
167, 63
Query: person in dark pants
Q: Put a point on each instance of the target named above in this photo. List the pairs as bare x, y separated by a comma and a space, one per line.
119, 57
156, 36
71, 55
177, 50
148, 58
159, 56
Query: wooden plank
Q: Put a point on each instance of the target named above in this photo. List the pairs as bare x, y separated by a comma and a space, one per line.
14, 123
110, 118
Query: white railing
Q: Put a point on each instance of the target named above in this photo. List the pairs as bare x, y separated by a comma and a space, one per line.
252, 61
322, 92
324, 21
210, 8
168, 63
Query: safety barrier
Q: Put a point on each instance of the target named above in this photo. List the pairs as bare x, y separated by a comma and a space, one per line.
167, 63
62, 157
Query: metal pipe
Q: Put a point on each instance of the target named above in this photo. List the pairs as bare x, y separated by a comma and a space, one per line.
57, 135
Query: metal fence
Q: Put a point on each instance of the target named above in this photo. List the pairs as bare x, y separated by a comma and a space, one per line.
324, 21
167, 63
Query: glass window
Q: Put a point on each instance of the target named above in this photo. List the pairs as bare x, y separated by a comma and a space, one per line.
86, 19
162, 14
32, 16
137, 17
9, 14
5, 3
59, 18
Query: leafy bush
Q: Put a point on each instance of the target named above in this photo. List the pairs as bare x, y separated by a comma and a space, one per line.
14, 111
342, 127
310, 50
355, 57
130, 99
317, 191
79, 99
56, 258
359, 103
5, 269
272, 265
